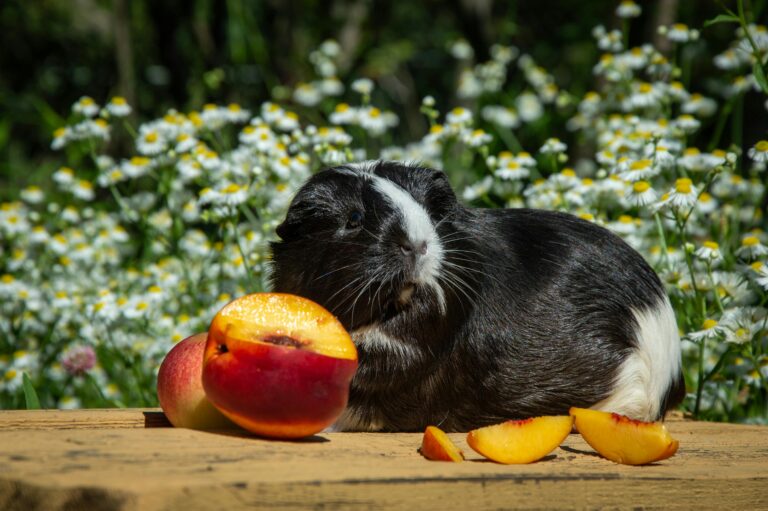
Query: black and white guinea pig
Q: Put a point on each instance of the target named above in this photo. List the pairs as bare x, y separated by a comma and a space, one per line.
465, 317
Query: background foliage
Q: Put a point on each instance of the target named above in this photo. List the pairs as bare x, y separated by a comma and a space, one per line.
102, 272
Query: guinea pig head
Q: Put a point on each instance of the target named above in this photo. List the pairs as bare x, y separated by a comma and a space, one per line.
367, 241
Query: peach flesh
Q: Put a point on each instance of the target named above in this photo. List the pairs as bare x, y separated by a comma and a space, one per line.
622, 439
520, 441
436, 446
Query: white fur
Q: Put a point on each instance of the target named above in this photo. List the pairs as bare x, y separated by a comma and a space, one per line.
420, 230
649, 371
374, 338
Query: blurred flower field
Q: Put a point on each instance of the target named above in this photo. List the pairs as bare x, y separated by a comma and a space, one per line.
138, 245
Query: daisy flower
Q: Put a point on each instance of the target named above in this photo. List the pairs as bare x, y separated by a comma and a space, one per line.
679, 33
118, 107
728, 60
628, 9
61, 136
501, 115
710, 330
699, 105
688, 123
759, 152
86, 107
512, 170
83, 189
32, 195
640, 170
751, 248
709, 252
136, 166
684, 194
641, 194
645, 95
761, 269
553, 146
477, 138
150, 143
529, 107
376, 122
459, 116
307, 94
363, 86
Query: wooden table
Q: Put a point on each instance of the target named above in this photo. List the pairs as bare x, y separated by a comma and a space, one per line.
130, 459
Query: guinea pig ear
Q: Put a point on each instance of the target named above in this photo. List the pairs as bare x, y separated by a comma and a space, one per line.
285, 229
288, 229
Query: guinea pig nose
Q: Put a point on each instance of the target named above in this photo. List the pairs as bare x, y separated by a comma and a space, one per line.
419, 247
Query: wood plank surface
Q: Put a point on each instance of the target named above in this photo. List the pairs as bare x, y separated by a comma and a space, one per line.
118, 460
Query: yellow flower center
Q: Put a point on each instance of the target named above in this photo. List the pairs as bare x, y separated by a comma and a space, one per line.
118, 100
640, 165
762, 146
645, 88
139, 161
711, 245
683, 185
750, 241
709, 323
342, 107
150, 137
641, 186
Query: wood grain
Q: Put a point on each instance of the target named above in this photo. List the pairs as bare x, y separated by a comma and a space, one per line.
109, 460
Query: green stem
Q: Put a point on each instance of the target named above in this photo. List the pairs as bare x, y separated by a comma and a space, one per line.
721, 120
701, 381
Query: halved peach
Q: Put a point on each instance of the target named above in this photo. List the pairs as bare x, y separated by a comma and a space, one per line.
520, 441
278, 365
437, 446
624, 440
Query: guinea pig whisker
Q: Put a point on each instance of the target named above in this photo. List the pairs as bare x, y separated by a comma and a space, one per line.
372, 235
350, 283
354, 302
456, 283
324, 275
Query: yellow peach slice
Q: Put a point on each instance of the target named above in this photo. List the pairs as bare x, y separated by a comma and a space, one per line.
624, 440
520, 441
437, 446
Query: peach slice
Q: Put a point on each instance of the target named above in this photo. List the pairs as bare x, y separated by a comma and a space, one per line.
624, 440
278, 365
437, 446
520, 441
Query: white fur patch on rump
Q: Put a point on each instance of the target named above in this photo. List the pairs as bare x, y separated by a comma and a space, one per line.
646, 375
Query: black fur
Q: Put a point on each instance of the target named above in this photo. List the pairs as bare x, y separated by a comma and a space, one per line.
537, 304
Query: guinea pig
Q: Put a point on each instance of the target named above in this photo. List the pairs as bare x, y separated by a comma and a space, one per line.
465, 317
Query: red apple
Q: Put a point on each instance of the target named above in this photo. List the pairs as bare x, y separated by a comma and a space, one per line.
278, 365
180, 387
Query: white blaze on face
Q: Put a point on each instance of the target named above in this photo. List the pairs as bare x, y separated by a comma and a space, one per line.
420, 232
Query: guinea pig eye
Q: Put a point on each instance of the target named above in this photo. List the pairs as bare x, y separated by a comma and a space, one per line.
354, 220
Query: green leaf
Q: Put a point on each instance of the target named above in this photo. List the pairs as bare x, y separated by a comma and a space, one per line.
30, 396
760, 78
722, 18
